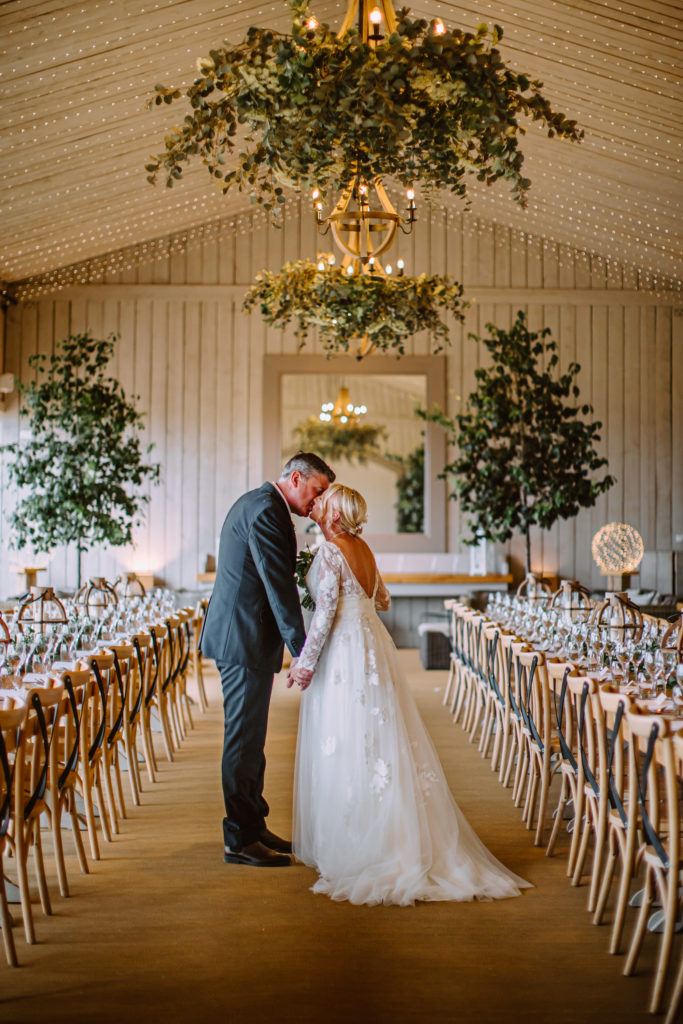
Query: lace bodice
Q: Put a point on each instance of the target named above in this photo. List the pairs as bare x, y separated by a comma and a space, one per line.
335, 589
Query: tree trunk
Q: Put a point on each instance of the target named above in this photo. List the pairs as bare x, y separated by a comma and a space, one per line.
527, 534
79, 554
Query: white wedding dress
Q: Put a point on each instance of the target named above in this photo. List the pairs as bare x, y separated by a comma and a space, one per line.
372, 808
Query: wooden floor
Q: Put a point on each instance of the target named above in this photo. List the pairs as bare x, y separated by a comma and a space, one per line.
162, 930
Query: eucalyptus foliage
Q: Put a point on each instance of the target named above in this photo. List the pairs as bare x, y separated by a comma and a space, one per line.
353, 442
410, 491
525, 455
80, 474
310, 110
382, 310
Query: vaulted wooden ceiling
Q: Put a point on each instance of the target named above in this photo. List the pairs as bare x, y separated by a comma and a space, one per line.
75, 131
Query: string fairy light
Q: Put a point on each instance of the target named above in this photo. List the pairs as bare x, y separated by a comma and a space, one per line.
75, 131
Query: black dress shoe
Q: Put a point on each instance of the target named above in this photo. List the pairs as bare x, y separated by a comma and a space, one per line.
257, 856
273, 842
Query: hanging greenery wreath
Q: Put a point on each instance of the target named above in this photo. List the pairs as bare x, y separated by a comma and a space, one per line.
378, 311
353, 442
419, 106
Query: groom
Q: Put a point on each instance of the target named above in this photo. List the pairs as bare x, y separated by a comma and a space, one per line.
253, 609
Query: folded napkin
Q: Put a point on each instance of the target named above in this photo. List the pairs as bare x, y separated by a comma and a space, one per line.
36, 679
16, 695
65, 666
658, 703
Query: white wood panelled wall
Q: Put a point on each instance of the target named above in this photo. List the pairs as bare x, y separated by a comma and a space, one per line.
196, 361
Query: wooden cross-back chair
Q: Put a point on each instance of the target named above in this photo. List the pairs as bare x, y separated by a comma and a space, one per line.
119, 733
541, 747
95, 763
654, 764
32, 757
140, 681
197, 657
11, 725
566, 730
63, 776
493, 727
157, 699
622, 819
592, 753
674, 1010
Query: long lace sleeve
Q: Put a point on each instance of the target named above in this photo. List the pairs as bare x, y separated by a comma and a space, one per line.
382, 596
327, 598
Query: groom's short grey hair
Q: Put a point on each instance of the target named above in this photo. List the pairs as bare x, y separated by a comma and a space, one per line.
308, 464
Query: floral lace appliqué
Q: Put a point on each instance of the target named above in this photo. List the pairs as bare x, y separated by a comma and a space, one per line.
381, 777
329, 746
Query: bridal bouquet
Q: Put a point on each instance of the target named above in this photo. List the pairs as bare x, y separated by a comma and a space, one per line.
303, 564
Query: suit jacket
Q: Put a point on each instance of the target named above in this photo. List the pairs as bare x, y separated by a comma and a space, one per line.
255, 603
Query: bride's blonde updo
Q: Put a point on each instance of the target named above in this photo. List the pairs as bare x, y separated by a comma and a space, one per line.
351, 506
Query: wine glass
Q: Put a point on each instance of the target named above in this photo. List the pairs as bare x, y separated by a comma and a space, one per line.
677, 691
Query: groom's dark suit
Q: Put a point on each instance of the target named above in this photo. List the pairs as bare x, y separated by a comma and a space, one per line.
253, 608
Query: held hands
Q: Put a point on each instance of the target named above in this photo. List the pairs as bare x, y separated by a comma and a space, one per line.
301, 676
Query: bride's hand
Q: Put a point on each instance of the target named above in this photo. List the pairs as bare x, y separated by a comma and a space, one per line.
303, 677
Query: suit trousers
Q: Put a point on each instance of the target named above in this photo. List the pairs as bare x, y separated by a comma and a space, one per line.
246, 701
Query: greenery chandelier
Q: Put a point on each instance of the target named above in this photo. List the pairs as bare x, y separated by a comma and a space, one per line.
356, 312
316, 110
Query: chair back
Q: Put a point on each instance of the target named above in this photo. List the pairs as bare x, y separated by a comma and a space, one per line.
654, 764
11, 724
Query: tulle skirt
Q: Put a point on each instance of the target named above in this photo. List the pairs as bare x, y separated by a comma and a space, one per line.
372, 809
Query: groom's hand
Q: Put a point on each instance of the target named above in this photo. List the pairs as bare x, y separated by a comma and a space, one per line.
290, 673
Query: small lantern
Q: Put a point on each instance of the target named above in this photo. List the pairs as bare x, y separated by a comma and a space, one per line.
96, 596
533, 588
129, 585
41, 608
574, 599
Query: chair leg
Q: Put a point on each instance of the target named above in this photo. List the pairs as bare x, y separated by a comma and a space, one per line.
676, 1003
147, 746
562, 802
6, 923
583, 849
578, 829
76, 830
621, 905
87, 782
106, 768
607, 879
21, 841
641, 922
546, 779
58, 845
132, 759
598, 850
39, 865
101, 785
520, 777
165, 726
668, 888
118, 791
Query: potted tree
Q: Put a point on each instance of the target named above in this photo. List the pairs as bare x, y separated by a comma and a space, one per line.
525, 454
80, 474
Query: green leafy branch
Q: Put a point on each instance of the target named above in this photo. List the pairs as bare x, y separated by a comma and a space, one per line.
310, 110
525, 455
383, 310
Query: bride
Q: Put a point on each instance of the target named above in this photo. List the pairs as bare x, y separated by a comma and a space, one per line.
372, 809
